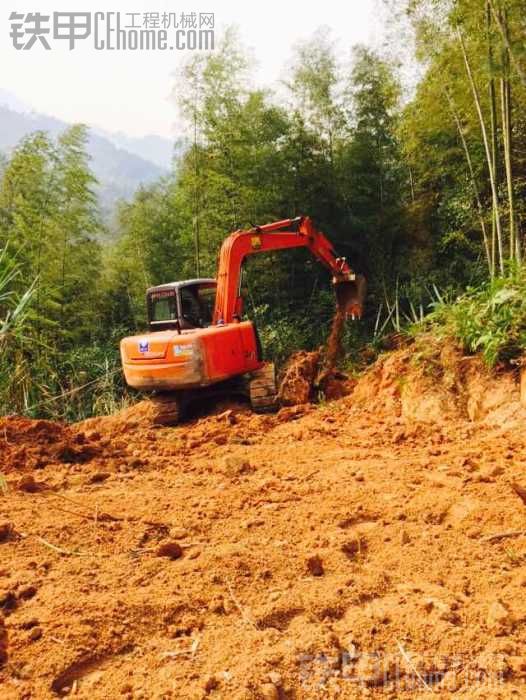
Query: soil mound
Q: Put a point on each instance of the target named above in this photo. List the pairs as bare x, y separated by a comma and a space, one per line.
27, 444
141, 415
308, 374
431, 382
299, 375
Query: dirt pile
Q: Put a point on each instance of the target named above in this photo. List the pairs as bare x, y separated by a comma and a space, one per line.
303, 380
342, 550
29, 444
298, 379
141, 414
309, 374
433, 382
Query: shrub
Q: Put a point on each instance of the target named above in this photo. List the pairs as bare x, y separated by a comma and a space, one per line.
490, 319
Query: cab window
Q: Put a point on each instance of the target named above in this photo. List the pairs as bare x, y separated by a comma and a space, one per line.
190, 306
197, 304
207, 300
165, 309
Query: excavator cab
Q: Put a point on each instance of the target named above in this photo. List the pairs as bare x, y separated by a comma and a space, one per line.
181, 305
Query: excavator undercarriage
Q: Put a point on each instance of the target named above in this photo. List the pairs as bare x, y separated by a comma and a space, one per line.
259, 388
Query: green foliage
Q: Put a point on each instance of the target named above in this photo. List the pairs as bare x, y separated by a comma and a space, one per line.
403, 191
13, 308
490, 319
50, 267
36, 379
442, 131
371, 167
48, 214
289, 327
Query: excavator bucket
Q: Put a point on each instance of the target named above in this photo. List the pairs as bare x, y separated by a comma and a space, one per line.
350, 296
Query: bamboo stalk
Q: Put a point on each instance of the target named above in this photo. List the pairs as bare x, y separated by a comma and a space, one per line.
493, 182
506, 40
493, 127
505, 95
480, 208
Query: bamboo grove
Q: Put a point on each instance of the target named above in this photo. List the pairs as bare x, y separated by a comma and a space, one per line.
423, 188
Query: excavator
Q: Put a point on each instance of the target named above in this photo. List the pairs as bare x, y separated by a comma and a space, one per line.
198, 342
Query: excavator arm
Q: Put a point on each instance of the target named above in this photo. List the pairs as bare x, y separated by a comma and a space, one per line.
281, 235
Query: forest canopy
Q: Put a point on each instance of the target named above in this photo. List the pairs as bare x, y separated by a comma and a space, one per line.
423, 194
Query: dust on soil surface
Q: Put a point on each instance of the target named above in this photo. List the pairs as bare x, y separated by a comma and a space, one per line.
370, 547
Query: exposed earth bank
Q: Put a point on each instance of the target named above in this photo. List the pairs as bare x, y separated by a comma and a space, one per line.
371, 546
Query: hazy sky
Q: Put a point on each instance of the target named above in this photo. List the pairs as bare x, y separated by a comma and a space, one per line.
130, 90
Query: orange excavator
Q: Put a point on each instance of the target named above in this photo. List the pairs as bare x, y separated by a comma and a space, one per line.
198, 343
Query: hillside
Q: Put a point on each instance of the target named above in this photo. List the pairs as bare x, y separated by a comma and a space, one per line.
363, 209
118, 170
370, 547
151, 147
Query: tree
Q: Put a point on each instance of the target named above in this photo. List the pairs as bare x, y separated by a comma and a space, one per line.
316, 88
49, 222
472, 55
77, 225
371, 165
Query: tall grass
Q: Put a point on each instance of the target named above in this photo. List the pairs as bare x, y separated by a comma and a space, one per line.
13, 307
42, 381
490, 319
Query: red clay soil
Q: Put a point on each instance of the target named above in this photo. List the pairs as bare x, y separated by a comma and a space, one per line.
28, 444
299, 375
371, 547
333, 348
309, 374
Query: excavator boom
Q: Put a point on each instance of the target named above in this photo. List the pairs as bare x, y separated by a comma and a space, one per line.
281, 235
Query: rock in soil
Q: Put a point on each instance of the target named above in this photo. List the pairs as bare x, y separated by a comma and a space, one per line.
315, 565
172, 550
6, 531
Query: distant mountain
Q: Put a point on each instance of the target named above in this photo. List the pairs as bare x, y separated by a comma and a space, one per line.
153, 148
119, 162
7, 99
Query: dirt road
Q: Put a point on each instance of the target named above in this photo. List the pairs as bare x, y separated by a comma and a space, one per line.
340, 551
